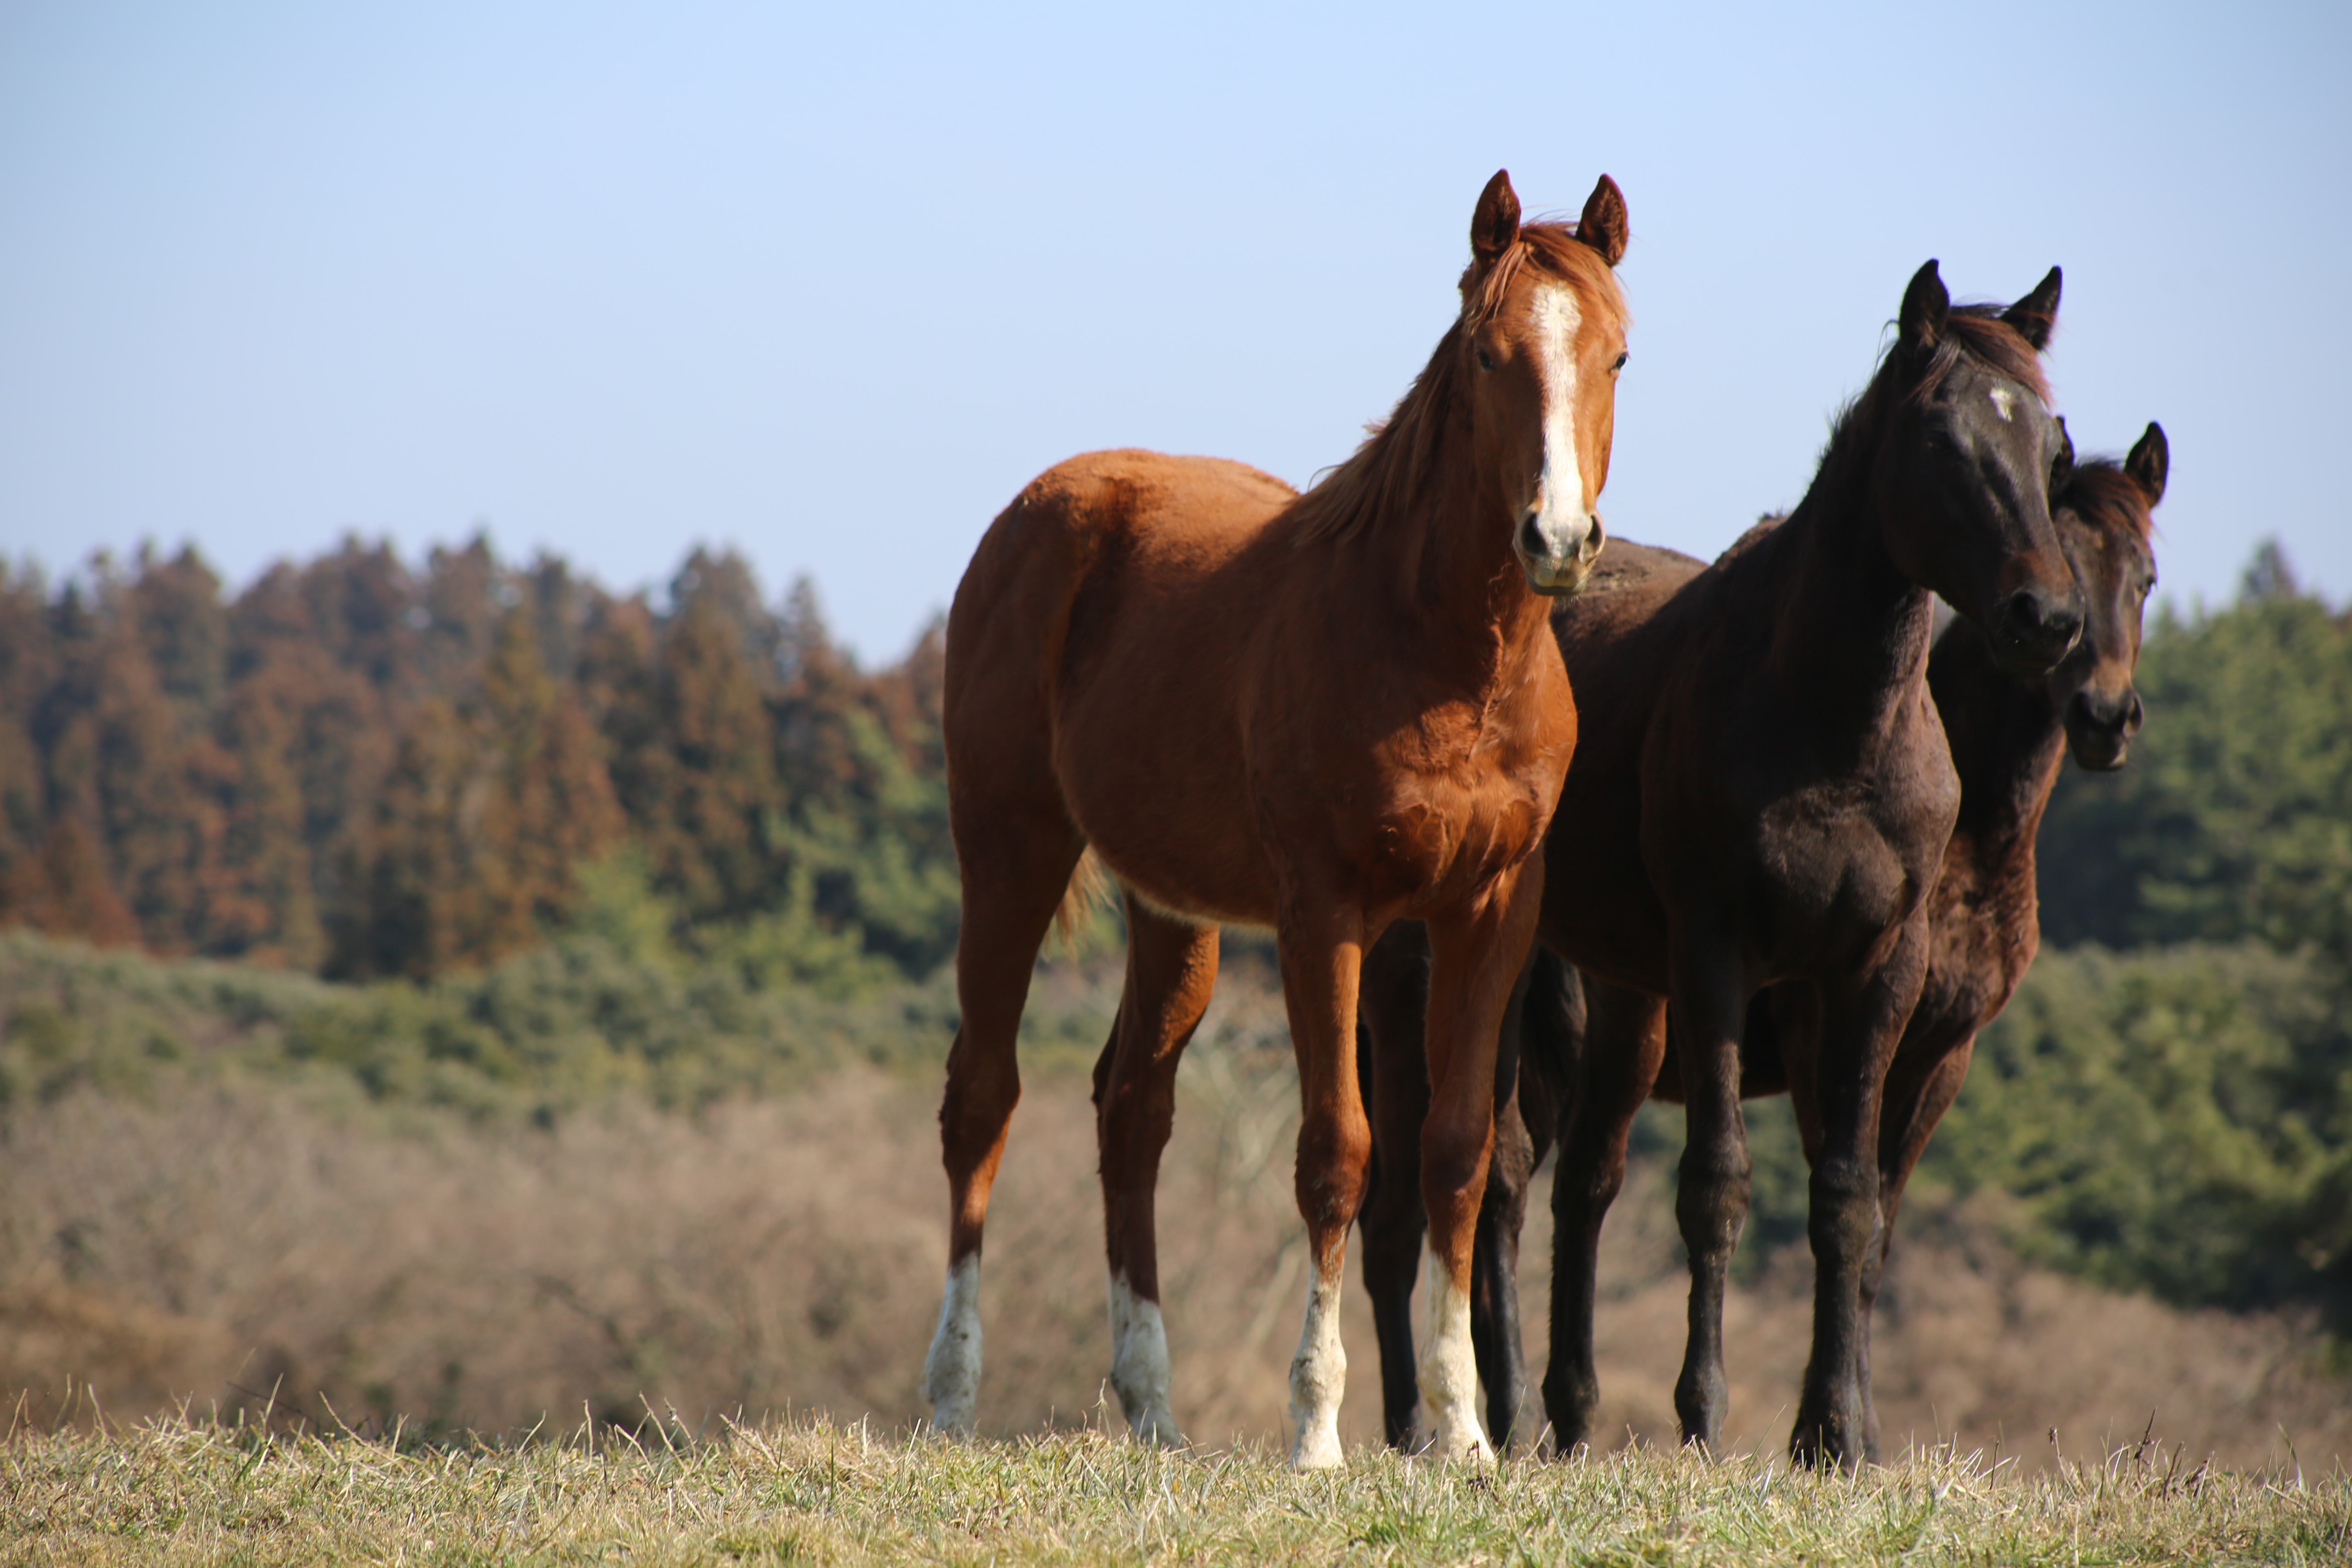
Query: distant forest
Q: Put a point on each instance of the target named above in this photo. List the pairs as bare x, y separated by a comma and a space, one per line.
363, 769
576, 841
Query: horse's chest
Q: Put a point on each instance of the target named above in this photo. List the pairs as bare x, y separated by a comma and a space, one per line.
1840, 865
1983, 934
1426, 850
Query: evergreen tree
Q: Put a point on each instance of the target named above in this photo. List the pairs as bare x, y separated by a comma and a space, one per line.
2234, 818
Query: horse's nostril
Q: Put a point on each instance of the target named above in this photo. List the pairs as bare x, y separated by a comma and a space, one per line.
2042, 629
1531, 536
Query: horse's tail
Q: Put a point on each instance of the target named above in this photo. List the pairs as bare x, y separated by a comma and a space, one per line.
1090, 889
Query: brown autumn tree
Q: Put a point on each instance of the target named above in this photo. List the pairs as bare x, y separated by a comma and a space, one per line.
28, 671
61, 888
490, 807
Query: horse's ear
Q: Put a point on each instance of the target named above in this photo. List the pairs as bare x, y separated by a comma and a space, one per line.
1495, 226
2061, 469
1603, 227
2150, 460
1926, 303
2035, 315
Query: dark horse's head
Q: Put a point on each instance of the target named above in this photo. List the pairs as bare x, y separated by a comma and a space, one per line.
1964, 466
1541, 339
2102, 510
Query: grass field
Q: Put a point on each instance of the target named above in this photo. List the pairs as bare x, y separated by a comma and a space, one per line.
813, 1491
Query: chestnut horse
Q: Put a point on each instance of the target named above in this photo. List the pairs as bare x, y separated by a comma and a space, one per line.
2006, 737
1320, 713
1764, 792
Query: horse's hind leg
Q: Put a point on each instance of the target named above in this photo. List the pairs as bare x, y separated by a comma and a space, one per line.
1495, 1270
1016, 865
1624, 1042
1172, 970
1391, 1064
1917, 1096
1494, 1278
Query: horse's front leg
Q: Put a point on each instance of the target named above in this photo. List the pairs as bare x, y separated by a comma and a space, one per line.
1321, 950
1476, 955
1861, 1022
1708, 1006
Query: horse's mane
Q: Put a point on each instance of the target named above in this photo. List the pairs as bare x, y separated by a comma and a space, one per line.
1387, 473
2109, 499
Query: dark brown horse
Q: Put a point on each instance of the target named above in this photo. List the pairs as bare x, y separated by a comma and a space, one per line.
1763, 793
1320, 713
2006, 737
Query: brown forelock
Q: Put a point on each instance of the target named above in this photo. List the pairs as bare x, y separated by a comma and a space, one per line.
1385, 474
1977, 332
1554, 248
2110, 499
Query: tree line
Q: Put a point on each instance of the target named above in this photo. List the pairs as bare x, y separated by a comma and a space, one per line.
361, 770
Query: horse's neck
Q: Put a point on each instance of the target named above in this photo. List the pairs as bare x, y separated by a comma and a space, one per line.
2006, 737
1454, 566
1850, 632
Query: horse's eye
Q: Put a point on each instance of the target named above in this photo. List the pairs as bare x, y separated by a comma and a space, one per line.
1622, 358
1486, 360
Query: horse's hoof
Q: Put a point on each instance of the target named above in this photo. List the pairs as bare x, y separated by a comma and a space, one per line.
1157, 1428
1317, 1448
1474, 1452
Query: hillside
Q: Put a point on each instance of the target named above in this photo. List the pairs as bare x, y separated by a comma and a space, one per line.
462, 995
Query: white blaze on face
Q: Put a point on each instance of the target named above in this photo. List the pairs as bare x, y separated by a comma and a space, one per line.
1318, 1375
1560, 516
2003, 400
1449, 1375
952, 1372
1139, 1365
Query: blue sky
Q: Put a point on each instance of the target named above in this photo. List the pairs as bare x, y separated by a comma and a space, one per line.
828, 284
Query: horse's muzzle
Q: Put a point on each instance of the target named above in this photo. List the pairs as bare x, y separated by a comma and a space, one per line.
2100, 728
2031, 631
1557, 572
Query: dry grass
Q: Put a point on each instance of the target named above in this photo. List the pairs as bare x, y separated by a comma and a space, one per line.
816, 1492
246, 1247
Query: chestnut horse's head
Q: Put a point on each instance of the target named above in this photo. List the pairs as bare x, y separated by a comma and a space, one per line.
1543, 337
1964, 474
2103, 526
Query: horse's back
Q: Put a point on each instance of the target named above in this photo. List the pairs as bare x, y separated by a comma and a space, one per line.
1129, 499
1080, 527
1626, 566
